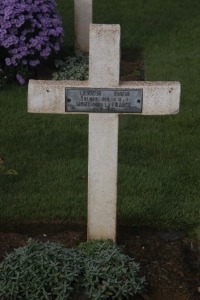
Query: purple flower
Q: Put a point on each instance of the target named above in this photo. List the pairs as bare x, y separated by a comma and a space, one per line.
22, 38
13, 61
11, 40
8, 61
46, 52
18, 23
34, 63
57, 47
7, 24
20, 79
21, 17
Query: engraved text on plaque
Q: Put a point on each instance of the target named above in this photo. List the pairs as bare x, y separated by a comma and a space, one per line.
103, 100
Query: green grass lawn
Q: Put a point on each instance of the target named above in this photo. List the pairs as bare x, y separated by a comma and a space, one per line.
159, 157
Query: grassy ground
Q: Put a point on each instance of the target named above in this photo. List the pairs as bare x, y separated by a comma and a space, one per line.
159, 157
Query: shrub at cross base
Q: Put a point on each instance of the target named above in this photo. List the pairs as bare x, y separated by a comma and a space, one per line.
49, 271
30, 32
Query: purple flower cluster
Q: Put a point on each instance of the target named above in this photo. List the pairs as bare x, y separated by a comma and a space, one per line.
30, 31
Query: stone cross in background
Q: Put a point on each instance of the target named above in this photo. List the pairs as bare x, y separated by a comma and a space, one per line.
83, 19
103, 97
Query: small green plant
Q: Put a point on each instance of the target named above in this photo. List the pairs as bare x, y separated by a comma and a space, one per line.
72, 68
40, 271
110, 274
4, 170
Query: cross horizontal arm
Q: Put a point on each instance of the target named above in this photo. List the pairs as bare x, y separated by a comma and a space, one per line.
159, 98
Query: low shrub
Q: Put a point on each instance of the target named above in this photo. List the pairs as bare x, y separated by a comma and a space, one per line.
110, 274
40, 271
30, 31
72, 68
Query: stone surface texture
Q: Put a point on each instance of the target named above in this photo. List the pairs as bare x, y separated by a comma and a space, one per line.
83, 19
104, 59
102, 176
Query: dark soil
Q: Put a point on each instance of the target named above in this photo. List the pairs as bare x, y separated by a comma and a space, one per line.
132, 65
169, 266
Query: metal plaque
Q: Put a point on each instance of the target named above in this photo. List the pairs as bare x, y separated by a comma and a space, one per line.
103, 100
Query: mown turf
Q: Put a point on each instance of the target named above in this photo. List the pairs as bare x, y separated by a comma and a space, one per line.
159, 157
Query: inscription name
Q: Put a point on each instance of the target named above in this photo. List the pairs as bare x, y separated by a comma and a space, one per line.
105, 101
90, 93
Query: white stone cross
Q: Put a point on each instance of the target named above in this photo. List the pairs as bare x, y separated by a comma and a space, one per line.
83, 19
158, 98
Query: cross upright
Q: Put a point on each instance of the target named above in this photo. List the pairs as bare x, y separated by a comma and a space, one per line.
103, 97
